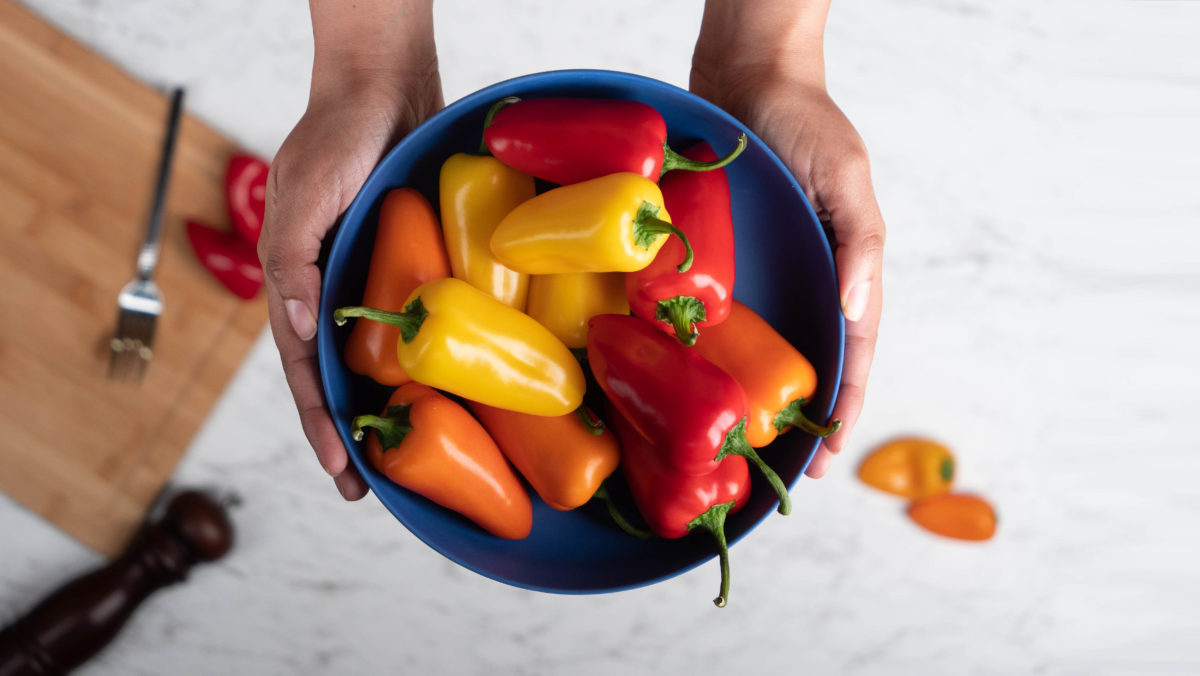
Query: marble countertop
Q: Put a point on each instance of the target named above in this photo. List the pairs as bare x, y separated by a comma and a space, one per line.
1038, 165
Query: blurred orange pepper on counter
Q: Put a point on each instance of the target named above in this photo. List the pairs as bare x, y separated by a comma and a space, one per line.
911, 468
955, 515
432, 446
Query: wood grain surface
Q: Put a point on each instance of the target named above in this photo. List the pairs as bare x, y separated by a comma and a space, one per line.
79, 145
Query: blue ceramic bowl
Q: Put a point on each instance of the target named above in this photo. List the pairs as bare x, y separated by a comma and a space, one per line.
785, 271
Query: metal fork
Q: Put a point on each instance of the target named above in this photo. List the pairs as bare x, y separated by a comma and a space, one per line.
140, 304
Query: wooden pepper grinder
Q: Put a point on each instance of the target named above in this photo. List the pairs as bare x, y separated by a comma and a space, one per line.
82, 617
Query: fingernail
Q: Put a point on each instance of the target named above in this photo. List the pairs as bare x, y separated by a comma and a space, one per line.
302, 320
854, 305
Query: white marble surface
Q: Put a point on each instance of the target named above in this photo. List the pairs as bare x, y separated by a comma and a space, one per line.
1039, 168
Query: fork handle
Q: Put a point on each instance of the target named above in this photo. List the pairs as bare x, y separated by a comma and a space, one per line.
147, 258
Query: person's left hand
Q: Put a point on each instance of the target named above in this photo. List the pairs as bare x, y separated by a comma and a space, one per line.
801, 123
316, 173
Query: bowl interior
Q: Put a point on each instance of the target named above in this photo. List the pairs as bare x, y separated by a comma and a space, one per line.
785, 272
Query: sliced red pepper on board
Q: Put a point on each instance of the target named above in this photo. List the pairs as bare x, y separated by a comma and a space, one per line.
571, 140
230, 258
674, 504
683, 404
246, 194
682, 302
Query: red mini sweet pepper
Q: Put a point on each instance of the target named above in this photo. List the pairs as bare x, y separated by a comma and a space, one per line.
570, 140
675, 504
685, 301
686, 407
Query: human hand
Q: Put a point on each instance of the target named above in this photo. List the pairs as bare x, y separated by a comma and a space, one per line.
354, 115
777, 88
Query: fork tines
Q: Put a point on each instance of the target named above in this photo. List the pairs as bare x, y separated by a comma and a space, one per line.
132, 345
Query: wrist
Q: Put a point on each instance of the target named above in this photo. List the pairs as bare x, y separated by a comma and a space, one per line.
381, 49
761, 40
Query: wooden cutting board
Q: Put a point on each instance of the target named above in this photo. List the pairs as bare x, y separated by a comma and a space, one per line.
79, 147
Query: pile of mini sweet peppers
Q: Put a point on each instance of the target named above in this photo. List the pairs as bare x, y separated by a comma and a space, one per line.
923, 471
486, 316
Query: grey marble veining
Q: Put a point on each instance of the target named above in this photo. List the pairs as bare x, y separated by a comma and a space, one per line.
1038, 165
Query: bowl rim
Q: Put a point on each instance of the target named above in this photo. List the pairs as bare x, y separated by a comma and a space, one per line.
360, 207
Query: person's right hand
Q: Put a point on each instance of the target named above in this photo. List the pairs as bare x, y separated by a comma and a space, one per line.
354, 116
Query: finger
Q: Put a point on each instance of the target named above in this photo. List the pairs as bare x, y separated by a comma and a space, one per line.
850, 201
819, 464
860, 352
350, 484
299, 358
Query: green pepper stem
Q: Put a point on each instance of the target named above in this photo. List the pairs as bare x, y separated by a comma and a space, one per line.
392, 427
793, 416
736, 444
673, 160
946, 471
713, 521
487, 120
647, 226
409, 321
593, 424
602, 493
682, 312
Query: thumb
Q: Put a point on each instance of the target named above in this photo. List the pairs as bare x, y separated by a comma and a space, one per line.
858, 226
293, 227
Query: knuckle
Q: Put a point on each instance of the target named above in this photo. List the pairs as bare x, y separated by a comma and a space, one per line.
275, 260
870, 243
855, 164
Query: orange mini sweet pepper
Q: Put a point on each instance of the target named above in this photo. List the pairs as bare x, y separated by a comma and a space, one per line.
955, 515
563, 457
408, 252
432, 446
777, 379
909, 467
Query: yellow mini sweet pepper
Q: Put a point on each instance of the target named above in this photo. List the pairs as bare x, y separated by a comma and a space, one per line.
614, 223
564, 303
457, 338
476, 192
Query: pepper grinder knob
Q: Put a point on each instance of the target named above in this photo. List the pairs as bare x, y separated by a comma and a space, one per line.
79, 619
200, 524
